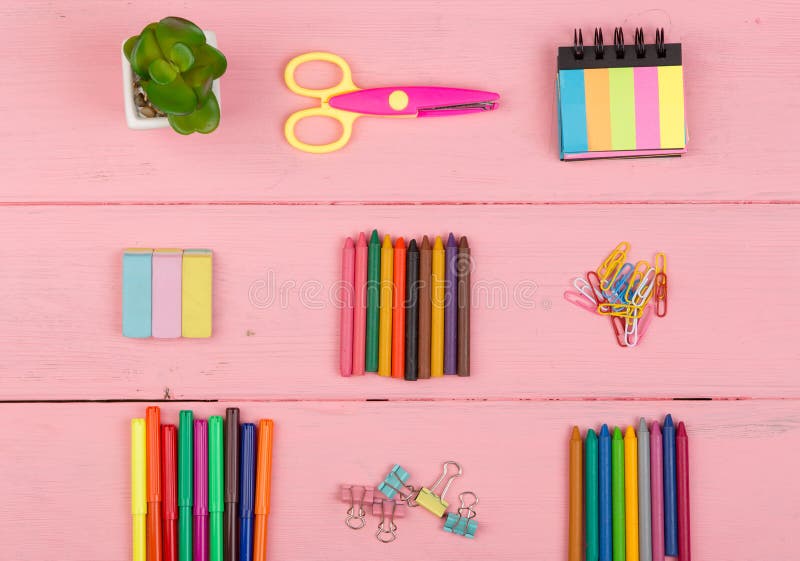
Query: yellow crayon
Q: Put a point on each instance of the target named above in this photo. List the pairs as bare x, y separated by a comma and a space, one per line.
138, 489
385, 324
437, 309
631, 496
196, 293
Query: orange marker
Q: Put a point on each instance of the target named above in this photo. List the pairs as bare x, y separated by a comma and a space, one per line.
153, 424
263, 479
398, 310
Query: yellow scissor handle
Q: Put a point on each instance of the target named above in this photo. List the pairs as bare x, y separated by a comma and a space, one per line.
345, 118
345, 84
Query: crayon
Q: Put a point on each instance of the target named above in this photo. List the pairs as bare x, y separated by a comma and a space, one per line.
139, 489
360, 305
398, 310
247, 492
451, 306
263, 483
437, 309
231, 538
575, 495
591, 503
604, 486
670, 494
463, 272
412, 310
385, 329
169, 484
657, 491
185, 484
373, 303
631, 496
200, 538
216, 486
347, 295
645, 543
682, 476
424, 292
618, 495
154, 540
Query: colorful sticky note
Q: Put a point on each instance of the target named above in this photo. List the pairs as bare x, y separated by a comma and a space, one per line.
196, 296
167, 264
137, 266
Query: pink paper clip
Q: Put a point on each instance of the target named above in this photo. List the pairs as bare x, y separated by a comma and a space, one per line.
357, 496
579, 300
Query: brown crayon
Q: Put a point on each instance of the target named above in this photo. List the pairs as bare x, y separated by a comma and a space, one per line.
425, 264
463, 266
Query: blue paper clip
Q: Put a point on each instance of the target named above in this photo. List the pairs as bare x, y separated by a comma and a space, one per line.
463, 522
395, 484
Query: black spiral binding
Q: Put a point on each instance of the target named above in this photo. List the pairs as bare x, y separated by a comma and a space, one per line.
577, 44
639, 53
619, 42
599, 48
638, 39
661, 48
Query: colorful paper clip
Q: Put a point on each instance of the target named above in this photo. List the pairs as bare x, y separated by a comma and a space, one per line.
395, 484
661, 294
429, 499
463, 521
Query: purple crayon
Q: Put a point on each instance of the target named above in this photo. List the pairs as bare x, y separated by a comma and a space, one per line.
200, 490
451, 306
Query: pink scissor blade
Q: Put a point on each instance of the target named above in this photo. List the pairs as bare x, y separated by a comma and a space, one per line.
421, 101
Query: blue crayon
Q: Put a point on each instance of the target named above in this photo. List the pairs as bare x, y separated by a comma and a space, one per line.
670, 490
248, 488
604, 484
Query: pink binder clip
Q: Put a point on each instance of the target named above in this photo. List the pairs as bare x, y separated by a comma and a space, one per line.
358, 496
381, 506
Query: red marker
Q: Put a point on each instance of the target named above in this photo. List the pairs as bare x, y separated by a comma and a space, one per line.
682, 470
153, 423
169, 481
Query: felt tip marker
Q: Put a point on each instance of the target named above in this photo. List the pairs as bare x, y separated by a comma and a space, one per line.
139, 488
154, 540
246, 494
263, 483
169, 484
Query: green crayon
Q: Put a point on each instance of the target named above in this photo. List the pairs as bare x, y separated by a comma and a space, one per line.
591, 505
618, 495
373, 298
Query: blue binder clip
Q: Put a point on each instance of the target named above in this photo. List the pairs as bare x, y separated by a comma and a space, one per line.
463, 522
395, 484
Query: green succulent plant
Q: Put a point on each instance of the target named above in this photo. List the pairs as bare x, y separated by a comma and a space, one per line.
176, 68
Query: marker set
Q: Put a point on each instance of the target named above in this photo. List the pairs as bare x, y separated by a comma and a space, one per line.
200, 490
166, 293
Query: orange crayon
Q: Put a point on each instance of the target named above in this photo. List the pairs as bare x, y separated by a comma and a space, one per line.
398, 310
575, 496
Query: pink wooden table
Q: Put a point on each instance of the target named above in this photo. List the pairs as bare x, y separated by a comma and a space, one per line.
78, 186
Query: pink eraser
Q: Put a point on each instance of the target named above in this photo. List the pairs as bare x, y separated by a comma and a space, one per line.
167, 268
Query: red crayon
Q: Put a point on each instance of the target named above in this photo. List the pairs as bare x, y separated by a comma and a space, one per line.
153, 427
682, 476
398, 311
169, 484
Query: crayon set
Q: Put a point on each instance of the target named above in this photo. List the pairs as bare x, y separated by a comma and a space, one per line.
405, 308
629, 497
394, 496
166, 293
629, 295
200, 490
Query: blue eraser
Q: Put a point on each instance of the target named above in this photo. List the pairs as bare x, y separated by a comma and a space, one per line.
137, 293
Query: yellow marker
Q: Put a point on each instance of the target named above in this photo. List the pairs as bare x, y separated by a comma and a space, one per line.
437, 309
196, 293
138, 489
631, 496
385, 324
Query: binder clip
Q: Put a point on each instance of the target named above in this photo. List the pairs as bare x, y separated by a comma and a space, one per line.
387, 509
429, 499
462, 522
357, 496
379, 505
395, 485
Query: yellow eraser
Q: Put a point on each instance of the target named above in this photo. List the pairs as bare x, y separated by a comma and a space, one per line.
196, 293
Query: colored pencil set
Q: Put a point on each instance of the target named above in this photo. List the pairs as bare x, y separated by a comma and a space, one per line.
166, 293
200, 491
629, 295
405, 308
629, 497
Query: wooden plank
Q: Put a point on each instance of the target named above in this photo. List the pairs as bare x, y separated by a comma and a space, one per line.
69, 475
733, 271
63, 136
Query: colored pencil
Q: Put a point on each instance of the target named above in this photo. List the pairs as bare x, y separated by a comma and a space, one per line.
154, 540
682, 476
232, 484
373, 303
347, 297
591, 504
169, 484
657, 491
451, 306
437, 308
463, 272
360, 305
412, 310
631, 496
670, 494
262, 493
424, 292
200, 490
575, 495
139, 489
247, 493
385, 329
604, 486
645, 539
618, 495
185, 484
398, 310
216, 487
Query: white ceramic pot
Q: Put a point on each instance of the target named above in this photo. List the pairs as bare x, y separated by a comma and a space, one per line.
134, 120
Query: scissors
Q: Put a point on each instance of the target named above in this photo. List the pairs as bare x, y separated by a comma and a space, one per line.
345, 102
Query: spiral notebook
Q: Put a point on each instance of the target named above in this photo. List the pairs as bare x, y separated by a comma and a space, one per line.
621, 101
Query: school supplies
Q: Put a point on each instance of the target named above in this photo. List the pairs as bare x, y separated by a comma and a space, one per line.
631, 523
263, 485
621, 100
345, 102
670, 489
629, 295
231, 530
247, 493
346, 300
185, 485
462, 522
201, 538
169, 486
154, 540
166, 293
416, 314
216, 485
139, 489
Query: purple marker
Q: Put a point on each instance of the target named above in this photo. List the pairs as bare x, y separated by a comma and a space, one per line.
451, 306
200, 490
